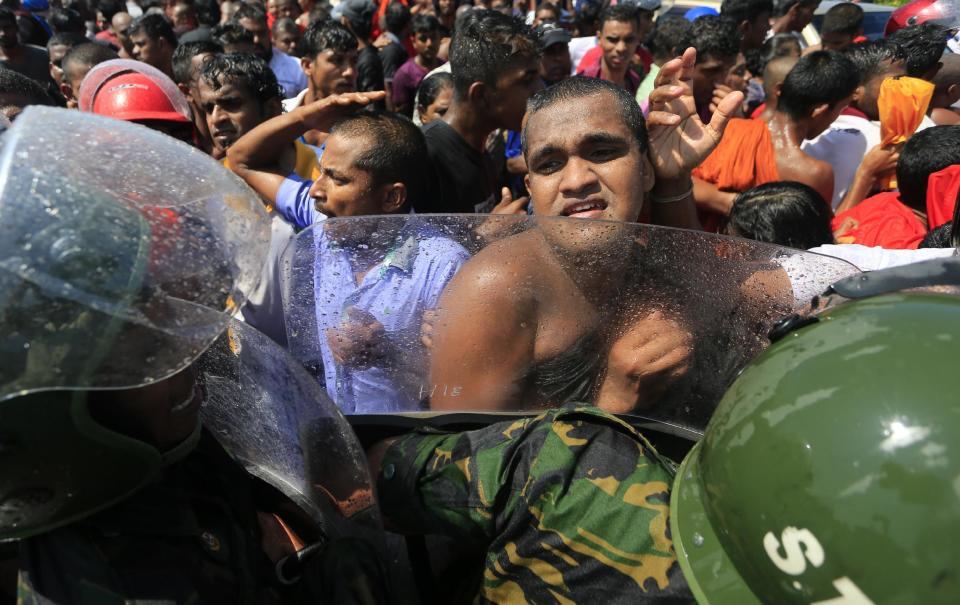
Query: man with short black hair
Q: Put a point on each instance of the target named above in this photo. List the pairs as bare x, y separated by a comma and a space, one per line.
717, 41
77, 63
546, 12
153, 41
555, 62
923, 44
66, 21
426, 43
208, 17
842, 26
233, 38
57, 48
186, 63
619, 37
667, 36
286, 36
495, 63
752, 18
253, 18
754, 153
106, 10
330, 64
31, 61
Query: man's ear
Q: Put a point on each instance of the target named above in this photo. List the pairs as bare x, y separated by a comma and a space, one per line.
819, 110
306, 64
858, 93
394, 198
67, 91
185, 90
648, 175
744, 27
776, 89
477, 93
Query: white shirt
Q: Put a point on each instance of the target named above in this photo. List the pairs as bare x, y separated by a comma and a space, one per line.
264, 307
843, 146
293, 102
810, 275
579, 47
289, 74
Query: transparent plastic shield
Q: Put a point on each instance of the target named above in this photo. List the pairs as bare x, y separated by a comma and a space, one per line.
113, 273
463, 313
273, 418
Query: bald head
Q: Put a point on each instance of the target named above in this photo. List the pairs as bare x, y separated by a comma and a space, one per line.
120, 22
947, 82
773, 76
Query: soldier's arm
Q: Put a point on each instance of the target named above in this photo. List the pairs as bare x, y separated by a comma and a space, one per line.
577, 486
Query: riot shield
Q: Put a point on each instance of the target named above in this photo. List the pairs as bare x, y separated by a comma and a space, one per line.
274, 419
385, 310
113, 273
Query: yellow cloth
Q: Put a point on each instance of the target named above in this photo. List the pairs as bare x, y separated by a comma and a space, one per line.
306, 167
902, 103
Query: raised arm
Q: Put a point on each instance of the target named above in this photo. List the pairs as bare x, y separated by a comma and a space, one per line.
259, 148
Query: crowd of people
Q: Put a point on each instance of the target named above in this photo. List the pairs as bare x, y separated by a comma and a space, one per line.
354, 123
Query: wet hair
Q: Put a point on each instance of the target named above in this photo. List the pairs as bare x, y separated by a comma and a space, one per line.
430, 88
208, 12
397, 153
328, 35
621, 13
785, 213
154, 26
868, 57
230, 34
926, 152
253, 12
484, 47
713, 36
184, 54
820, 77
66, 20
923, 44
579, 87
396, 17
944, 236
16, 84
425, 24
782, 7
89, 54
844, 18
70, 39
245, 70
745, 10
109, 8
667, 35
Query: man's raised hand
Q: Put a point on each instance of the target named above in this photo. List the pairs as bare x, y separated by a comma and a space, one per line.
321, 115
679, 140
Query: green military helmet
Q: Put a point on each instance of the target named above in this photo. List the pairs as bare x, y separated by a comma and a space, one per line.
830, 472
111, 278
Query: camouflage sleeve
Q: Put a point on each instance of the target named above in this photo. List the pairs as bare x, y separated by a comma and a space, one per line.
571, 505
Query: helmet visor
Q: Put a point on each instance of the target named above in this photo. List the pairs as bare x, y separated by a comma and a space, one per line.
112, 275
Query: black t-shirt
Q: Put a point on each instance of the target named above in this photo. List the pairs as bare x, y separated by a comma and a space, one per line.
392, 56
465, 179
369, 70
33, 63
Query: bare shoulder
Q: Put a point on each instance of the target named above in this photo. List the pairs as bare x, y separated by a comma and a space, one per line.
504, 269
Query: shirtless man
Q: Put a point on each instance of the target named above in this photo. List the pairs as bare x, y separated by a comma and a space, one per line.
532, 306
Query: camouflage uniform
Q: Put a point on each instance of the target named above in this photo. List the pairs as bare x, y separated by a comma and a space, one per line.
570, 506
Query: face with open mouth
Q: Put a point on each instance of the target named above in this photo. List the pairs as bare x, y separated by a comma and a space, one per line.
584, 161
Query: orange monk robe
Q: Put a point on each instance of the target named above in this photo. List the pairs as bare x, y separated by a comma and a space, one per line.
882, 220
743, 159
943, 189
902, 103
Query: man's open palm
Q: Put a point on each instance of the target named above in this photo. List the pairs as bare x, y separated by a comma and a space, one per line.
679, 141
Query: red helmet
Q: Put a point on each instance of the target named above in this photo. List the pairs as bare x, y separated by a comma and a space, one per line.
132, 91
944, 12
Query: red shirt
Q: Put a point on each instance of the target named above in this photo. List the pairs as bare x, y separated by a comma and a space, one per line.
881, 220
594, 70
